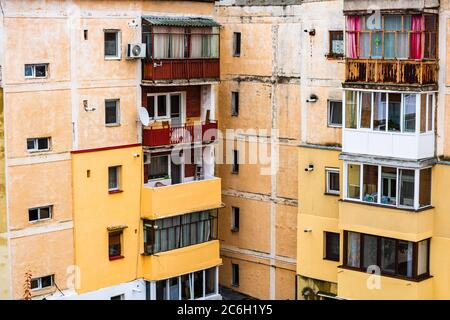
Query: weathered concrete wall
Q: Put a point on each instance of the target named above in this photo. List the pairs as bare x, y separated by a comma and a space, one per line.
386, 4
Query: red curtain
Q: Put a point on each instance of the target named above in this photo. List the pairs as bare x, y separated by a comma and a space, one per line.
416, 37
353, 25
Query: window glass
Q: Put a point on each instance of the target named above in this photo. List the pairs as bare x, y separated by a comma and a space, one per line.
405, 258
46, 281
350, 109
44, 213
370, 251
430, 113
43, 143
409, 122
198, 284
235, 274
406, 187
33, 214
353, 249
335, 113
332, 181
388, 185
174, 289
114, 244
111, 112
332, 246
28, 71
210, 281
237, 43
151, 106
30, 144
162, 106
364, 50
234, 103
388, 255
422, 259
111, 44
425, 187
377, 47
389, 45
161, 290
379, 111
159, 167
366, 109
186, 286
337, 42
353, 182
394, 111
370, 183
113, 178
423, 113
40, 71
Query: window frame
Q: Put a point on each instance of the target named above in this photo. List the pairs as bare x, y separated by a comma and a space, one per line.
169, 167
39, 219
235, 275
33, 70
118, 33
328, 190
237, 44
235, 212
329, 115
415, 207
118, 187
117, 107
331, 54
168, 95
326, 255
415, 276
39, 280
121, 246
234, 103
36, 144
235, 164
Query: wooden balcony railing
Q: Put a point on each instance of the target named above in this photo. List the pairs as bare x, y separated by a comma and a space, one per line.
180, 134
177, 69
407, 72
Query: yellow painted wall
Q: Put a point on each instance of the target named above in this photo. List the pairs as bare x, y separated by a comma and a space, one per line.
181, 198
95, 210
181, 261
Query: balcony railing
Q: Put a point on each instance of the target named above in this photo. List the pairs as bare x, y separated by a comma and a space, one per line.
178, 69
180, 134
408, 72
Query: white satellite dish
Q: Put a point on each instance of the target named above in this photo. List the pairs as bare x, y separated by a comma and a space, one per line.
143, 116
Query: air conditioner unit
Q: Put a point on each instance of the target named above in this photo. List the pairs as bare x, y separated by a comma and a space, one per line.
136, 50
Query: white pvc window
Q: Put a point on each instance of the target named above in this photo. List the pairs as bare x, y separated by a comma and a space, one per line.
38, 144
391, 112
40, 213
42, 282
112, 44
332, 180
390, 186
36, 70
165, 106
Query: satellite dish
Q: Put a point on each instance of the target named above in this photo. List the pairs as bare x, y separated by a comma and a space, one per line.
143, 116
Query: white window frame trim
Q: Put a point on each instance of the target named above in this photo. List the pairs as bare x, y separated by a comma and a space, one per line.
329, 124
33, 68
329, 170
167, 117
118, 47
39, 279
39, 213
119, 172
36, 148
118, 118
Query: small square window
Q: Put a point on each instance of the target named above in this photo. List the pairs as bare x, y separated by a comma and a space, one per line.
332, 246
42, 282
336, 44
234, 104
234, 219
114, 178
38, 144
115, 245
334, 113
235, 275
36, 70
112, 112
41, 213
332, 181
236, 44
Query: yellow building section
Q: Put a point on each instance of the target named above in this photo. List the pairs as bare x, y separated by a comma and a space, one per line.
4, 256
181, 198
96, 210
318, 212
181, 261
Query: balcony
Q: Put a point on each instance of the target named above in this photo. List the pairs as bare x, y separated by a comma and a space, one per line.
394, 72
386, 221
356, 285
177, 199
204, 133
165, 265
181, 69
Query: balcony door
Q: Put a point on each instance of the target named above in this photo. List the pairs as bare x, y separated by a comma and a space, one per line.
176, 173
176, 117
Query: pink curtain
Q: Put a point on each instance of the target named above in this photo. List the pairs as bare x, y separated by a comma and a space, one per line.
416, 37
353, 25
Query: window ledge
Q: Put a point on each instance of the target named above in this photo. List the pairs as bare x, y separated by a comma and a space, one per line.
333, 56
115, 191
234, 230
112, 125
387, 206
331, 194
399, 277
331, 260
113, 58
116, 258
235, 285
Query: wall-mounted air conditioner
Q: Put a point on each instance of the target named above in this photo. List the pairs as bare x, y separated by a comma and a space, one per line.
136, 50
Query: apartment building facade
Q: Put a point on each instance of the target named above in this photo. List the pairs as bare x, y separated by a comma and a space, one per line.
108, 127
372, 213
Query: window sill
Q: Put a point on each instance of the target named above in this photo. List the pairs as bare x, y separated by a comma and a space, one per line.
115, 191
388, 275
331, 194
336, 126
333, 56
40, 221
234, 230
331, 260
113, 58
112, 125
235, 285
116, 258
387, 206
39, 151
235, 172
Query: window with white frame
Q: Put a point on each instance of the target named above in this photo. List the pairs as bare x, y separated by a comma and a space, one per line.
39, 70
114, 178
389, 111
334, 113
112, 44
195, 285
38, 144
159, 167
164, 105
112, 112
332, 180
40, 213
42, 282
388, 185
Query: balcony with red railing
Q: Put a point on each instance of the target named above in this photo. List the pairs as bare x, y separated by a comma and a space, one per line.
185, 133
180, 69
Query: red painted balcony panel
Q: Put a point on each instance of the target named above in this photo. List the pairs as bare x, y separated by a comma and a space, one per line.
178, 69
206, 132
